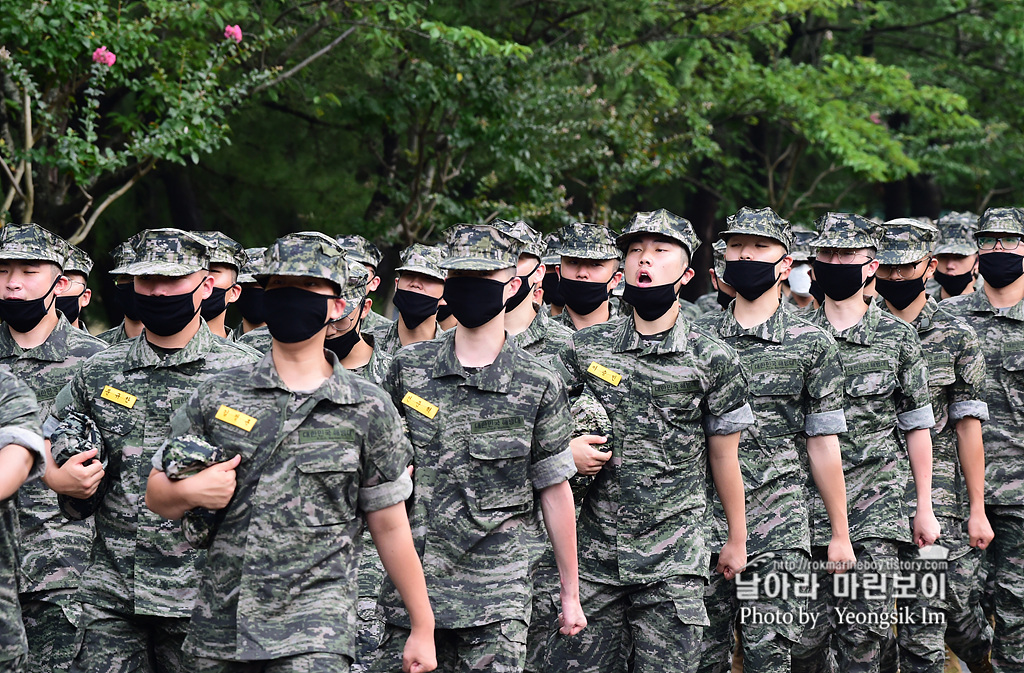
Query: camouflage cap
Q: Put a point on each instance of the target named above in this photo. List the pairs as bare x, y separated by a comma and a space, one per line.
124, 254
906, 240
76, 434
169, 252
361, 250
424, 259
761, 222
481, 247
956, 234
801, 250
587, 241
718, 248
847, 231
252, 266
1001, 221
551, 246
663, 223
354, 291
227, 251
78, 261
32, 243
533, 242
305, 254
183, 457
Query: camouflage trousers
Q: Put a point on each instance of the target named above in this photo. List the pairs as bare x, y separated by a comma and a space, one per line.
16, 665
51, 624
113, 642
544, 617
313, 662
765, 603
648, 628
369, 622
1007, 554
849, 614
497, 648
953, 616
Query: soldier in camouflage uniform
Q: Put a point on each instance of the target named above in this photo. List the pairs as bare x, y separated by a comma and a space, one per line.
554, 303
797, 288
956, 370
490, 429
418, 288
345, 335
77, 267
21, 461
588, 271
250, 298
124, 285
957, 257
361, 250
313, 449
795, 378
44, 350
646, 519
997, 315
886, 382
722, 293
141, 582
226, 261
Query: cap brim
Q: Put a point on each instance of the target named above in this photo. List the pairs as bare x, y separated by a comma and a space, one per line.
475, 264
956, 249
588, 253
415, 268
826, 241
159, 269
901, 256
754, 232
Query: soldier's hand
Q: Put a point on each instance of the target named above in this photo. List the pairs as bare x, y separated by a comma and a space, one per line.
926, 528
213, 487
78, 478
979, 530
419, 655
589, 460
840, 555
732, 558
571, 619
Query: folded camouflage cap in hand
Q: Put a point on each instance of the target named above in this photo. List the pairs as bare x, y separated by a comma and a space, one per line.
183, 457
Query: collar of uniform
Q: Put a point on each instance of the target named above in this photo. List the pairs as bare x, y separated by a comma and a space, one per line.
537, 330
978, 302
141, 354
628, 339
925, 319
337, 388
54, 349
497, 377
773, 329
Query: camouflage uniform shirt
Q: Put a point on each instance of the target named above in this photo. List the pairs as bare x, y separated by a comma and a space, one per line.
887, 392
258, 338
497, 434
543, 339
646, 517
113, 335
280, 576
795, 378
385, 344
140, 561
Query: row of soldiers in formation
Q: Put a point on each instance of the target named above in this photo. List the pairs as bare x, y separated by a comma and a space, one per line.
498, 485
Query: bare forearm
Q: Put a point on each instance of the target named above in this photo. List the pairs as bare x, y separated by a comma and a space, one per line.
389, 528
560, 520
723, 452
15, 465
170, 499
971, 452
919, 449
827, 470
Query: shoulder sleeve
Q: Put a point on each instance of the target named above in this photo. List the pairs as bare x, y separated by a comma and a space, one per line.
387, 453
967, 395
913, 406
551, 459
19, 421
825, 383
725, 401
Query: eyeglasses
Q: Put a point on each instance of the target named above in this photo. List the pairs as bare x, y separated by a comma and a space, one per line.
1005, 242
842, 256
904, 271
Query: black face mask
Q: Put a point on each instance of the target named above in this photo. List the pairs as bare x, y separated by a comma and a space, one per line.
414, 307
443, 312
552, 291
250, 305
475, 301
214, 305
751, 278
343, 344
583, 296
166, 315
126, 297
1000, 269
651, 302
954, 285
22, 315
723, 299
522, 293
69, 306
900, 293
817, 292
839, 281
294, 314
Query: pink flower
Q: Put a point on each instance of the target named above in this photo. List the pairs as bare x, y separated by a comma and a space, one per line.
104, 56
233, 33
875, 118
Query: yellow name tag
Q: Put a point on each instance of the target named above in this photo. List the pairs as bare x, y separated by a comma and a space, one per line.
604, 373
235, 418
118, 397
419, 404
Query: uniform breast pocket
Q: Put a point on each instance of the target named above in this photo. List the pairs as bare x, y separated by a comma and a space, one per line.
421, 430
1013, 374
777, 404
501, 473
114, 419
678, 403
328, 486
871, 384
